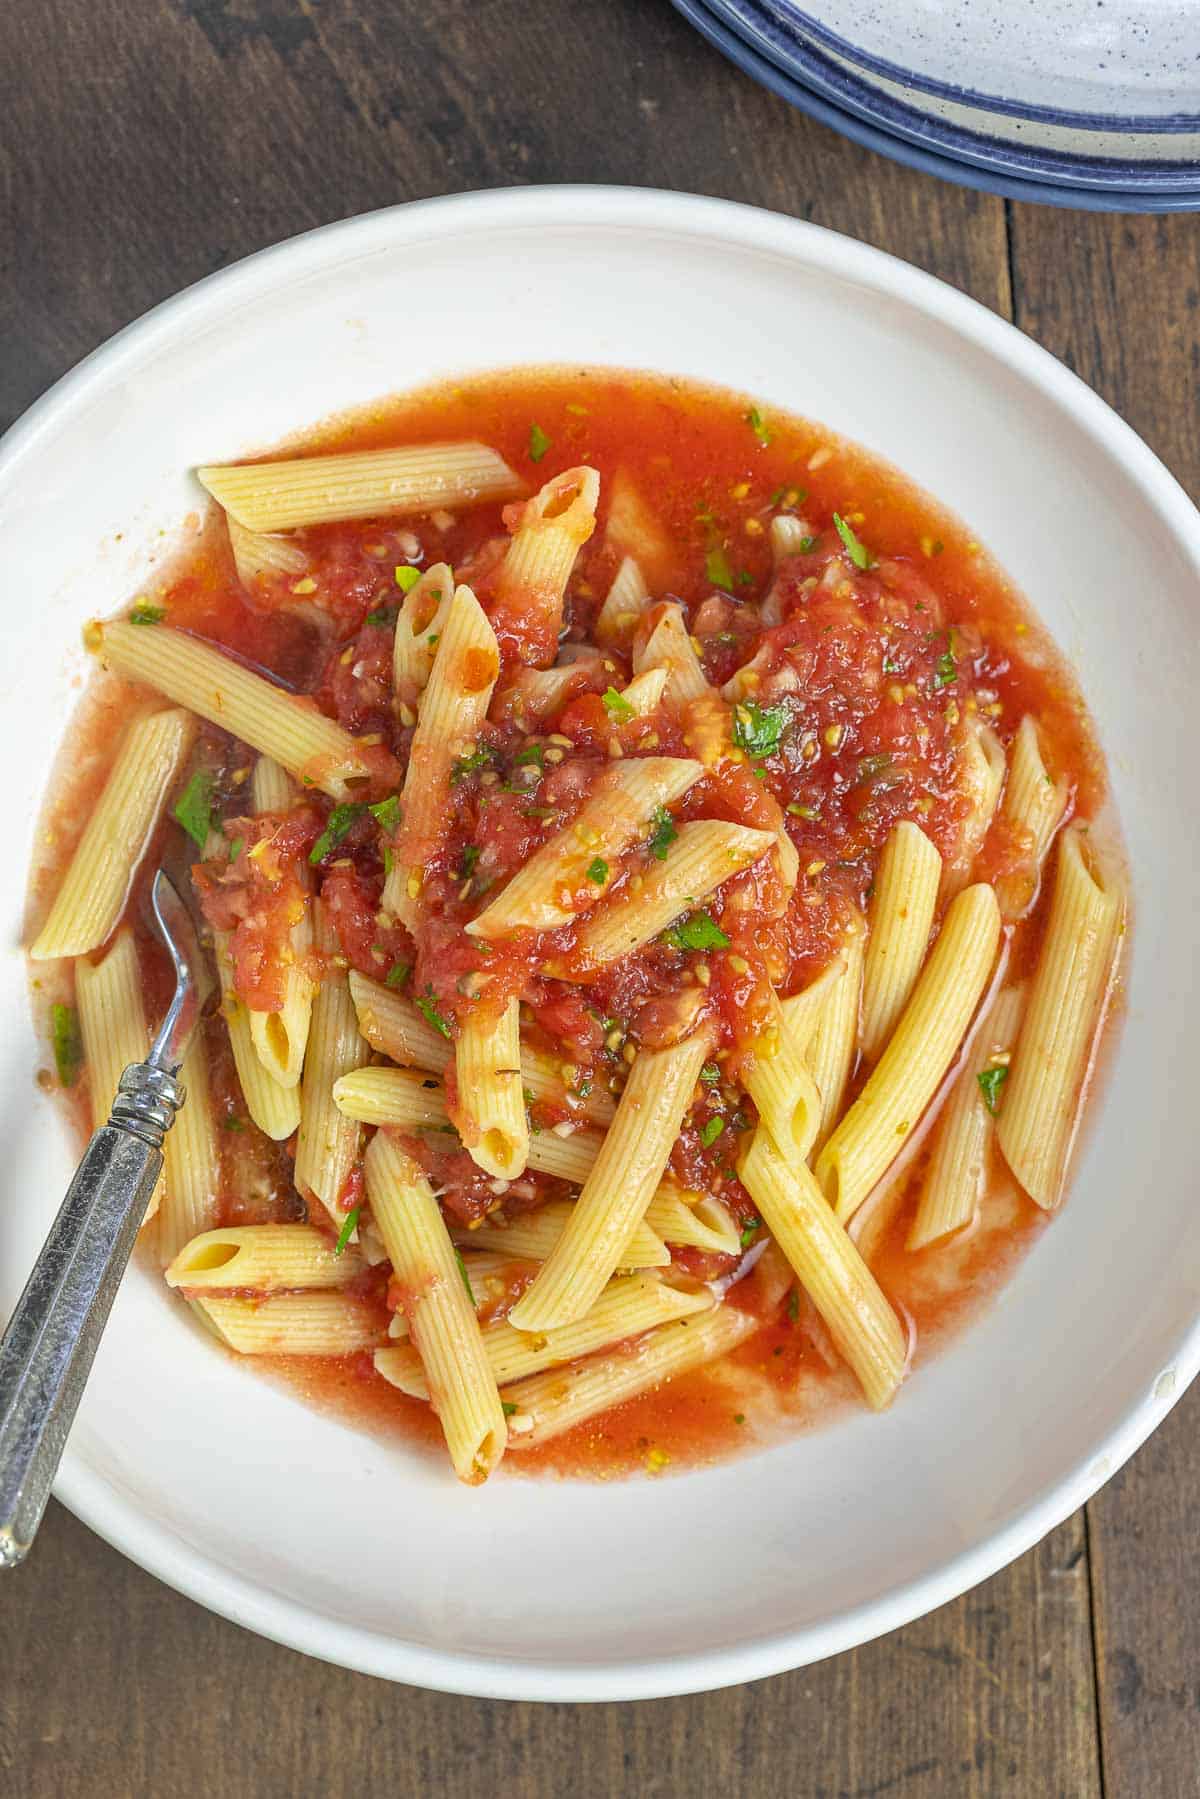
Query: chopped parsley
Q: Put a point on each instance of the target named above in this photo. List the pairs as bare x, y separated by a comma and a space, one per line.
807, 545
870, 766
758, 425
859, 555
336, 827
697, 932
508, 1407
788, 497
750, 1230
739, 1417
146, 614
711, 1129
382, 615
616, 705
386, 813
539, 443
757, 729
236, 848
533, 752
990, 1082
710, 1074
946, 670
407, 577
597, 871
793, 1304
193, 808
466, 1279
718, 571
467, 861
347, 1231
480, 757
68, 1045
428, 1010
663, 834
397, 974
233, 1123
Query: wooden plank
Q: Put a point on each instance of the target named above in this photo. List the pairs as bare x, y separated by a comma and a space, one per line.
1119, 300
203, 131
117, 1685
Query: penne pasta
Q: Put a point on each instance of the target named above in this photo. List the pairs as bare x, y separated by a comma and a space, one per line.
275, 1109
531, 1236
262, 1258
551, 529
315, 490
703, 855
280, 1037
643, 695
285, 726
627, 1307
953, 1182
1034, 806
1067, 997
620, 1186
90, 901
693, 1220
191, 1160
327, 1143
777, 1080
865, 1329
452, 712
898, 925
570, 872
906, 1077
545, 1405
401, 1097
441, 1314
490, 1114
307, 1324
669, 645
624, 604
489, 1278
419, 626
802, 1011
112, 1026
632, 529
256, 554
982, 767
833, 1043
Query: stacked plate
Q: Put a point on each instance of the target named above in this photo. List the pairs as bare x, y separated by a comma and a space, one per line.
1085, 103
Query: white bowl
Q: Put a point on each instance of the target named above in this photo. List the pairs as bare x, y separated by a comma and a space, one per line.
355, 1549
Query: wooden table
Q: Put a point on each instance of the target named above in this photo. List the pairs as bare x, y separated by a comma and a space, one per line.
149, 142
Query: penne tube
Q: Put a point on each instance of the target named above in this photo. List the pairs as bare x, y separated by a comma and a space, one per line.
982, 766
693, 1221
391, 1023
262, 1258
571, 871
622, 1182
256, 554
802, 1011
703, 855
316, 490
833, 1044
112, 1026
551, 529
1034, 806
307, 1324
1041, 1099
898, 925
285, 726
90, 901
531, 1236
488, 1275
643, 695
545, 1405
452, 712
191, 1160
280, 1037
912, 1067
327, 1143
953, 1183
271, 788
538, 694
669, 645
441, 1315
865, 1329
777, 1080
419, 627
401, 1097
275, 1109
627, 1307
632, 529
624, 604
490, 1114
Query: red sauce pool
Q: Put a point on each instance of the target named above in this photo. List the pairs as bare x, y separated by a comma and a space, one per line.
711, 469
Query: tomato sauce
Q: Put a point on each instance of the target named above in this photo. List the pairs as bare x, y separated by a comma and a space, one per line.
868, 653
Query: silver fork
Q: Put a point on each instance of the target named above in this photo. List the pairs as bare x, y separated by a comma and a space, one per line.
47, 1351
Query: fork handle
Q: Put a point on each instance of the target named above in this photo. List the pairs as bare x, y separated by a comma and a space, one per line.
47, 1351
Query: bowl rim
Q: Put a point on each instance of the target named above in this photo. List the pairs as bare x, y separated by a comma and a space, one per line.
654, 213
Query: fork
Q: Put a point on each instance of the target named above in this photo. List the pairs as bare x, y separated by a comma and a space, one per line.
47, 1351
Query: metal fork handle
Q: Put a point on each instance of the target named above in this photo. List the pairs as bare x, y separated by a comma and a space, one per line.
47, 1351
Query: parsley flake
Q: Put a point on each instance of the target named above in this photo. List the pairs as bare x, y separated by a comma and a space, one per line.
946, 670
697, 932
718, 571
859, 555
428, 1010
193, 808
382, 615
750, 1230
758, 425
146, 614
466, 1279
67, 1042
793, 1304
710, 1074
539, 443
336, 827
597, 871
508, 1407
407, 577
468, 859
757, 729
480, 757
347, 1231
990, 1082
616, 705
397, 974
711, 1130
663, 834
236, 848
386, 813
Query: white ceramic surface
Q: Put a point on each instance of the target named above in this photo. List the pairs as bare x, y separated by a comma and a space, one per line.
358, 1550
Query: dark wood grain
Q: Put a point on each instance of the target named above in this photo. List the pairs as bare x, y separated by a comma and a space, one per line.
1129, 323
149, 142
